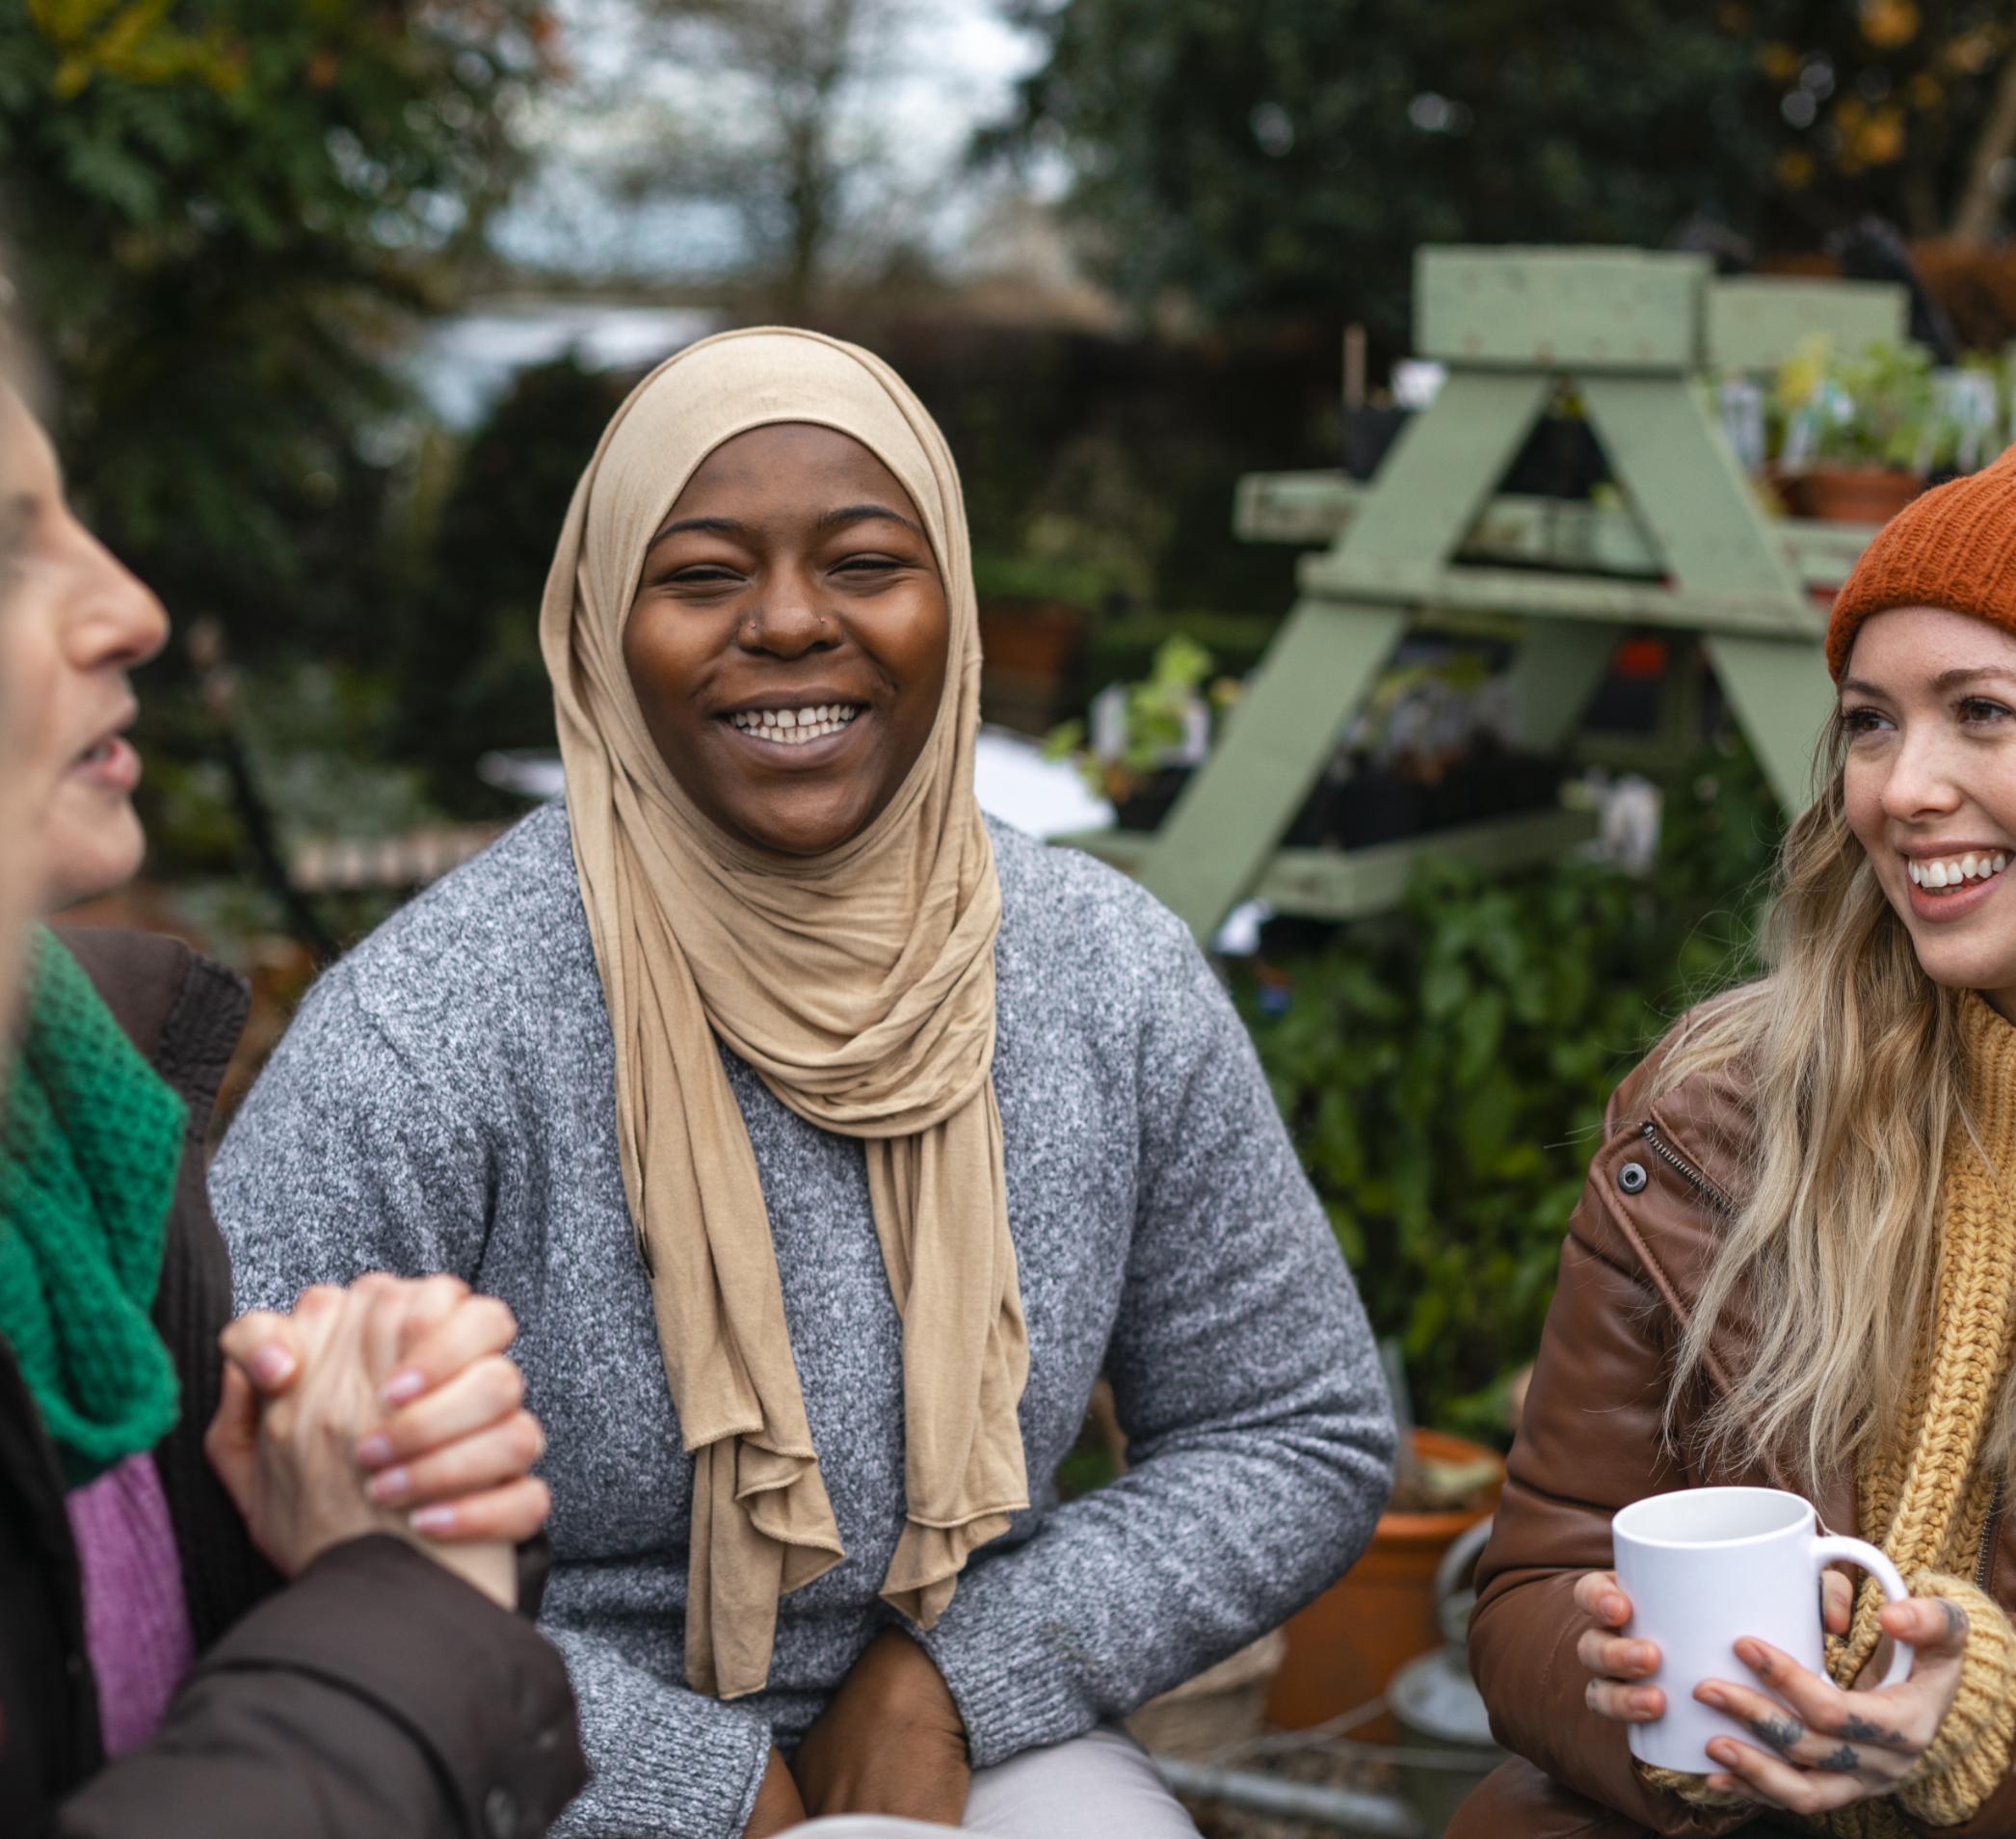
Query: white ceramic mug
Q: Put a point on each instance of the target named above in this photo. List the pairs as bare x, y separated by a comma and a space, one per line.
1704, 1567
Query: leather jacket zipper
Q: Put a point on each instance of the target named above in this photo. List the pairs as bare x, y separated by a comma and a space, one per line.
1665, 1151
1672, 1157
1989, 1527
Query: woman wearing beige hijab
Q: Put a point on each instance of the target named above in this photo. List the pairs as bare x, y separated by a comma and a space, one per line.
827, 1138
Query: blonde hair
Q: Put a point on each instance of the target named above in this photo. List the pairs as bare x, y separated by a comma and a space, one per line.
1858, 1082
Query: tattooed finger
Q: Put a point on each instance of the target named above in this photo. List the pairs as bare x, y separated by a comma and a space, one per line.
1781, 1733
1858, 1730
1844, 1761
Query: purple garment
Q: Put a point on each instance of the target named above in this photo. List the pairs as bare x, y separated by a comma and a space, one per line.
136, 1622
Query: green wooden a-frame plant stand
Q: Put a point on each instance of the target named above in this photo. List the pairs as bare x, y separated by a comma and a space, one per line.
1632, 333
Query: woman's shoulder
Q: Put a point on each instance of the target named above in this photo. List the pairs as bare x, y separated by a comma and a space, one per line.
1688, 1077
1068, 904
1679, 1137
506, 931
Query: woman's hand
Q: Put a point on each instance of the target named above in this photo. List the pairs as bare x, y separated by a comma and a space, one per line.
1834, 1747
1619, 1663
891, 1742
290, 1462
456, 1444
778, 1806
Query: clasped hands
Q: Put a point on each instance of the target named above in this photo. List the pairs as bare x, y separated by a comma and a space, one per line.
388, 1406
1831, 1747
891, 1742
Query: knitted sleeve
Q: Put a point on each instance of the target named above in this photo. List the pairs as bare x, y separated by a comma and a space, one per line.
1691, 1789
1969, 1755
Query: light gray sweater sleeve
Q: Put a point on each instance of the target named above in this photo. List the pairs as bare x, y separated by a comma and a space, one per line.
347, 1157
350, 1155
664, 1760
1246, 1379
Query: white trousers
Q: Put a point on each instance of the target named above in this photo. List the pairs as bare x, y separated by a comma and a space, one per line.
1098, 1786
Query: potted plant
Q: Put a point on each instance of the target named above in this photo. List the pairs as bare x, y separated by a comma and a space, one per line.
1345, 1646
1860, 432
1146, 738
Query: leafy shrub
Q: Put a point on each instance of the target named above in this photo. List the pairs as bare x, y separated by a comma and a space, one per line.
1444, 1067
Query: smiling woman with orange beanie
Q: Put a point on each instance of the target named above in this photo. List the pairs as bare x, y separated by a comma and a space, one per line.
1794, 1266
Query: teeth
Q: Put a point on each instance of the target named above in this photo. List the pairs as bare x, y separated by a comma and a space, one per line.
794, 728
1952, 872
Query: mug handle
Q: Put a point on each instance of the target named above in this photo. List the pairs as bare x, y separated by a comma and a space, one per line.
1832, 1546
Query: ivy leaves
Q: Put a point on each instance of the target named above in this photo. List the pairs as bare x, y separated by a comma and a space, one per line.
1443, 1068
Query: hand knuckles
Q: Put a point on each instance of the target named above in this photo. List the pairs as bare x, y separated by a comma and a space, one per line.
527, 1440
502, 1384
495, 1319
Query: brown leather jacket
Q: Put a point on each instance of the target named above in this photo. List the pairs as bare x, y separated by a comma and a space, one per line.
1637, 1251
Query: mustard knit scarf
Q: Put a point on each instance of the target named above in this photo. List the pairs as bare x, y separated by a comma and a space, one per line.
1922, 1484
1921, 1492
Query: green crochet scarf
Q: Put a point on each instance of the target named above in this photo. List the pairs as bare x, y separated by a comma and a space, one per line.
89, 1150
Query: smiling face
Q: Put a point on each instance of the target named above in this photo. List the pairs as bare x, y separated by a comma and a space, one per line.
1928, 700
77, 622
788, 639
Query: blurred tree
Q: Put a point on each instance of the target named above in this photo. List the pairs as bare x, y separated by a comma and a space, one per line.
781, 131
470, 676
1902, 109
218, 208
782, 152
1279, 156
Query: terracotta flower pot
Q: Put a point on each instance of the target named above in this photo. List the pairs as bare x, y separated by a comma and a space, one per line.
1037, 639
1354, 1638
1026, 652
1852, 494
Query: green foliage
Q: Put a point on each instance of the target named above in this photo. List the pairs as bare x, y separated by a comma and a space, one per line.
1291, 154
1443, 1068
1158, 708
218, 206
1875, 406
471, 673
1122, 651
1157, 711
1271, 156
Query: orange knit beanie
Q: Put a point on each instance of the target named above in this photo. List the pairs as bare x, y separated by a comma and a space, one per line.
1954, 547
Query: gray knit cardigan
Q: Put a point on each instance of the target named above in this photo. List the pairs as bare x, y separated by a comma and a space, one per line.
446, 1100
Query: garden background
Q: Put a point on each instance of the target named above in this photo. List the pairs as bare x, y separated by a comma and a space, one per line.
1120, 280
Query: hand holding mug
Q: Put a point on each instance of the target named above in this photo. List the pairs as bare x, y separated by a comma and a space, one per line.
1832, 1746
1621, 1664
1702, 1574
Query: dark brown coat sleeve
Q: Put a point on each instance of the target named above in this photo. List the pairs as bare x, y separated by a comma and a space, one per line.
377, 1697
1590, 1442
1591, 1447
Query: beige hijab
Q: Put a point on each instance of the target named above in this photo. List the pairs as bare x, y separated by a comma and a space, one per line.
859, 985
